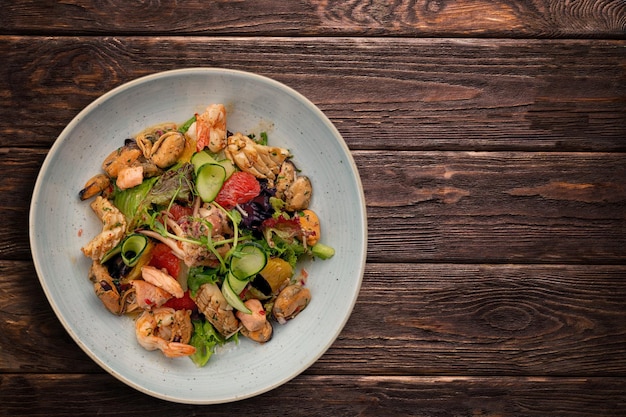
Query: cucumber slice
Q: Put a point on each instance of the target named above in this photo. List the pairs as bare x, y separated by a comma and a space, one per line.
111, 253
203, 157
248, 260
200, 158
236, 284
233, 299
228, 166
133, 247
209, 181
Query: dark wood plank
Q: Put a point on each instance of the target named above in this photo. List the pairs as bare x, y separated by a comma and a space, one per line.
410, 319
472, 207
494, 170
21, 169
437, 319
499, 18
407, 94
495, 207
32, 338
349, 395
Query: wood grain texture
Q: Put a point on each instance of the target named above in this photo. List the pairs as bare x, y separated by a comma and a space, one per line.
491, 140
409, 319
473, 207
334, 395
406, 94
495, 207
32, 337
424, 18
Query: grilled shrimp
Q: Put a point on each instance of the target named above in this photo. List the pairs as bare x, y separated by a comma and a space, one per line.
113, 228
259, 160
165, 329
210, 129
217, 311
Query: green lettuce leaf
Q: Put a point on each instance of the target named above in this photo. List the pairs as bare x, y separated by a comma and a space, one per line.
128, 201
201, 275
136, 203
204, 339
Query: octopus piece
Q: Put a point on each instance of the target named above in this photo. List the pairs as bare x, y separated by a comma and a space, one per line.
167, 330
291, 301
220, 225
192, 253
113, 228
199, 255
216, 309
210, 129
195, 254
262, 161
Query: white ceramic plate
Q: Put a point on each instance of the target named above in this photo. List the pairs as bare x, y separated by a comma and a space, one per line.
60, 224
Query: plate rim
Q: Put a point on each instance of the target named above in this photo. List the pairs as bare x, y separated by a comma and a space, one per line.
56, 147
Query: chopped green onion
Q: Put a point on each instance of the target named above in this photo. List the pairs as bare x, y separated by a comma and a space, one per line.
323, 251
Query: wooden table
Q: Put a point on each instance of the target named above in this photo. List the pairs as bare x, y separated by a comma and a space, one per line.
490, 136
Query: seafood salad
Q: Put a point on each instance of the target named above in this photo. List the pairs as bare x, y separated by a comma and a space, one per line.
202, 230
